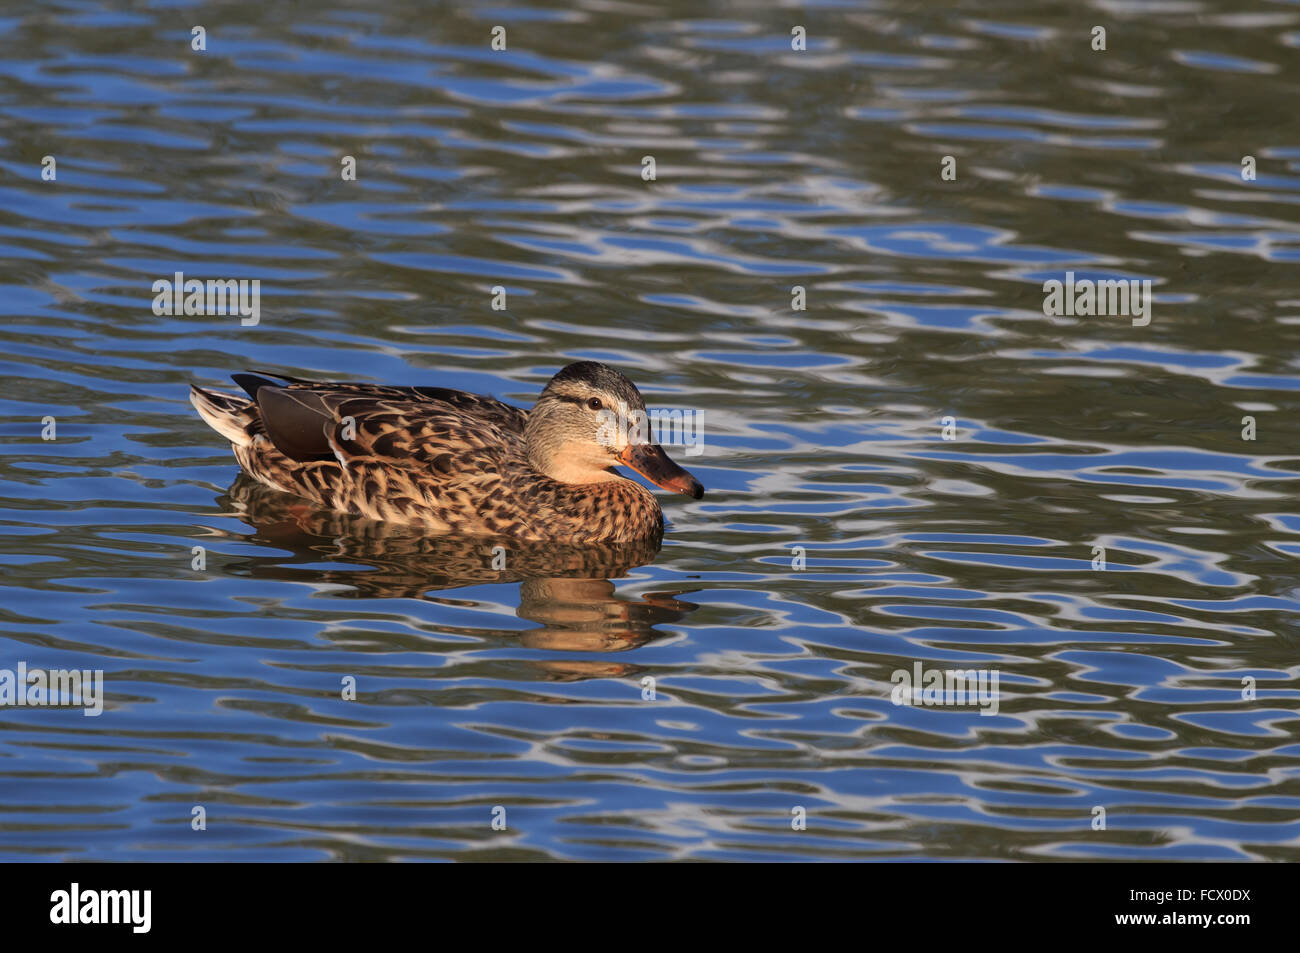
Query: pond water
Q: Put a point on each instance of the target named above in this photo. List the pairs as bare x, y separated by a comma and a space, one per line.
920, 469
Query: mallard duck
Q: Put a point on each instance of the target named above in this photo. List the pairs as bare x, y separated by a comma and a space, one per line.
447, 461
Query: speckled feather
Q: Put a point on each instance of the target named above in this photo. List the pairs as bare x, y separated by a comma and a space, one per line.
443, 460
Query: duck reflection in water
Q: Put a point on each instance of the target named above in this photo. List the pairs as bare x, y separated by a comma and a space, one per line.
565, 589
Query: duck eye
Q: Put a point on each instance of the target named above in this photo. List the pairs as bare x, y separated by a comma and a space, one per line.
595, 403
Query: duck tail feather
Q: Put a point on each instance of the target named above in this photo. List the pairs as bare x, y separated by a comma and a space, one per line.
227, 414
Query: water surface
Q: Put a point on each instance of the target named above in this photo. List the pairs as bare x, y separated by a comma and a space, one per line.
842, 537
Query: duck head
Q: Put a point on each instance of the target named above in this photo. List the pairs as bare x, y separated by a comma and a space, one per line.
591, 418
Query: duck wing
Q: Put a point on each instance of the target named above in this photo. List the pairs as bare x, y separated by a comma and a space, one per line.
424, 426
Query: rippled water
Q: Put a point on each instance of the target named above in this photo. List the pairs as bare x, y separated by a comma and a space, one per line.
1120, 688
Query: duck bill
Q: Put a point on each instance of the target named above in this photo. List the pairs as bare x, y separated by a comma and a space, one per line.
649, 460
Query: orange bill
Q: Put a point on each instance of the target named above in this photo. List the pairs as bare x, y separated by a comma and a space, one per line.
649, 460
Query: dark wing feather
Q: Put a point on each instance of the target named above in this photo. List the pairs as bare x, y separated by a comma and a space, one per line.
485, 409
295, 421
285, 377
252, 383
432, 427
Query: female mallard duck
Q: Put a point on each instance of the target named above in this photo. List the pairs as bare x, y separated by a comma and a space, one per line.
448, 461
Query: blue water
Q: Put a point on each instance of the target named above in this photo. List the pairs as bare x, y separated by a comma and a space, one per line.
841, 538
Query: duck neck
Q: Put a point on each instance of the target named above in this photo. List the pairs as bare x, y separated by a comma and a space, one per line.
557, 455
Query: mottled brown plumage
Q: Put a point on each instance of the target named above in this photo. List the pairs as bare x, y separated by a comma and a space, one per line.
452, 462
